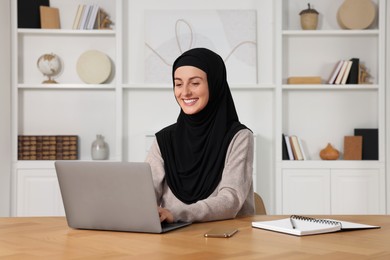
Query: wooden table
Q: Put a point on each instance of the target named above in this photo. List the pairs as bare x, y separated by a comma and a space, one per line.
51, 238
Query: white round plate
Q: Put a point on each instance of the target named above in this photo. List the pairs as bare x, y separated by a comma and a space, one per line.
93, 67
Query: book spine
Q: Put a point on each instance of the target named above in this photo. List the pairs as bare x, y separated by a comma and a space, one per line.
302, 149
84, 17
341, 73
77, 17
285, 155
295, 147
290, 153
92, 18
346, 73
354, 72
335, 72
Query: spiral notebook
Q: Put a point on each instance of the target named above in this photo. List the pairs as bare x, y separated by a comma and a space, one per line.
303, 226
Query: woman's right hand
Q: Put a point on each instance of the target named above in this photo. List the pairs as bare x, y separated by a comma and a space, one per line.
165, 215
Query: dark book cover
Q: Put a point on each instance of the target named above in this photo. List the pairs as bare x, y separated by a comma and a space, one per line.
28, 13
370, 150
284, 149
353, 77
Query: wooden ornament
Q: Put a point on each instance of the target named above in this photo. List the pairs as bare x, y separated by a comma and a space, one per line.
329, 153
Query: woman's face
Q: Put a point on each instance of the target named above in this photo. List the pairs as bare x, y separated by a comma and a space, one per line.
191, 89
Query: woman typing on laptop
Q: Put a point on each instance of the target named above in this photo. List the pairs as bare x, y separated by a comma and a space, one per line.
202, 165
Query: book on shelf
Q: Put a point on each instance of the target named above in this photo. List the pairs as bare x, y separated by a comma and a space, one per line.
29, 14
87, 17
285, 155
341, 73
289, 148
296, 148
93, 17
354, 72
50, 17
304, 226
370, 149
302, 149
346, 73
335, 72
353, 147
84, 17
76, 21
292, 148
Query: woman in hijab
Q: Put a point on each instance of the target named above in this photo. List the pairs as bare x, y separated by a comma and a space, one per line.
202, 165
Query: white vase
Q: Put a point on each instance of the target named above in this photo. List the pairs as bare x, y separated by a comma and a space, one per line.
99, 149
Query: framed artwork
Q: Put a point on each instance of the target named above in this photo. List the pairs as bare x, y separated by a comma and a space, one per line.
230, 33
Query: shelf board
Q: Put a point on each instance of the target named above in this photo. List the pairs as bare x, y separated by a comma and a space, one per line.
329, 32
47, 164
351, 87
67, 86
336, 164
147, 86
65, 32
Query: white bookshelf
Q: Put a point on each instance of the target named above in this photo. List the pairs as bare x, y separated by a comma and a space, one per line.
126, 109
322, 114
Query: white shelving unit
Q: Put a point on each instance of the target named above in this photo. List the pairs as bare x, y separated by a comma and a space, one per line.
321, 114
126, 108
70, 107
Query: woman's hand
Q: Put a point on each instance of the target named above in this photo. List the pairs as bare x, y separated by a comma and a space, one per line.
165, 215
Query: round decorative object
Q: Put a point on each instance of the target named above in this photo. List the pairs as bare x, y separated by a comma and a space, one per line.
93, 67
309, 18
49, 65
356, 14
99, 149
329, 153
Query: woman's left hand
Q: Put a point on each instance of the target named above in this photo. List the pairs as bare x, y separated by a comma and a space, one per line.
165, 215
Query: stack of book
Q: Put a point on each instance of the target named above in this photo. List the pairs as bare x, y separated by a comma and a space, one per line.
345, 72
292, 148
59, 147
86, 17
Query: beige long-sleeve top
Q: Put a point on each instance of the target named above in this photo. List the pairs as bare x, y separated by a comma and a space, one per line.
233, 196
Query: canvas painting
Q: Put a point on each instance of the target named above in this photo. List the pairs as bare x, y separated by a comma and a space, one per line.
230, 33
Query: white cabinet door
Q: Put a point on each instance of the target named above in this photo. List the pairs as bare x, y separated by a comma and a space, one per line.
38, 193
357, 191
306, 191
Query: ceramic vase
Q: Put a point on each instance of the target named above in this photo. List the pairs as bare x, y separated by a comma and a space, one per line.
329, 153
99, 149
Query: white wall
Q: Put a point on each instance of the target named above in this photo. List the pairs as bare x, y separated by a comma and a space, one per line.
5, 108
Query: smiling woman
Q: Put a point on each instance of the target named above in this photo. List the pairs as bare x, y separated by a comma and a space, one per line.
202, 164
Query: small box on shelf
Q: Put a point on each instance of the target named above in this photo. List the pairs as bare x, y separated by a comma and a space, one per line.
47, 147
304, 80
353, 147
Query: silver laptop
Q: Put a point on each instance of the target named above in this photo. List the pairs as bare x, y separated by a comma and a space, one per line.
116, 196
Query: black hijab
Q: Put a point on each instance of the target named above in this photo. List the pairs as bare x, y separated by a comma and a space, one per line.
194, 148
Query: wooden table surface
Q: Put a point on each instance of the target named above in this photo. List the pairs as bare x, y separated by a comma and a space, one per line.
51, 238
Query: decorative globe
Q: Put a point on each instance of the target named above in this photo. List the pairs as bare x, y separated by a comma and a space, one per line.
50, 66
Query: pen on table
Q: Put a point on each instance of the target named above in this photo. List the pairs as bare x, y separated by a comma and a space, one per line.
292, 223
